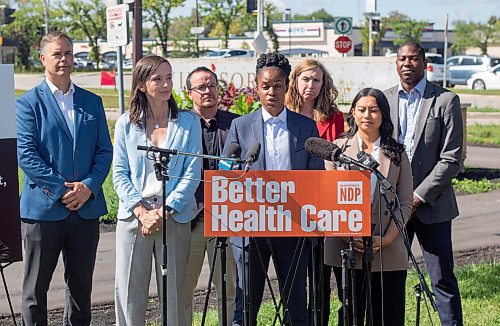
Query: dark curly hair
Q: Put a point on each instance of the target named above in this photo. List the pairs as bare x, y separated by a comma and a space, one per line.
390, 147
273, 60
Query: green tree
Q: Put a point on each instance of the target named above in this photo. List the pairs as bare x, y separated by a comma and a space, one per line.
184, 41
87, 18
475, 34
404, 28
157, 12
221, 11
27, 19
320, 14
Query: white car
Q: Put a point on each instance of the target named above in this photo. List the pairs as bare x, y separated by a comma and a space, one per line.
435, 69
489, 79
228, 53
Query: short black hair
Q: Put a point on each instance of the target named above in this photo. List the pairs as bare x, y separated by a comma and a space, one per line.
198, 69
416, 46
273, 60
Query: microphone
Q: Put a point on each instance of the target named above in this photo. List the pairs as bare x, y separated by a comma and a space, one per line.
324, 149
368, 160
233, 151
252, 155
157, 149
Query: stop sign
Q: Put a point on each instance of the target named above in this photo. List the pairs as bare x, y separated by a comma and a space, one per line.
343, 44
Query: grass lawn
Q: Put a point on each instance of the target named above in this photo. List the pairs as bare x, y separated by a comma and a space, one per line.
483, 134
475, 91
485, 109
109, 96
479, 288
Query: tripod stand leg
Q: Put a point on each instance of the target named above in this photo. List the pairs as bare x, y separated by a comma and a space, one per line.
268, 281
7, 293
209, 287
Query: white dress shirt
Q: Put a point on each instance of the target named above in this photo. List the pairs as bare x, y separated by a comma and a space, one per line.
65, 102
376, 156
276, 137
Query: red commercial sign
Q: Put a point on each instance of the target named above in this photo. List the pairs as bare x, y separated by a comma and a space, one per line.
284, 204
343, 44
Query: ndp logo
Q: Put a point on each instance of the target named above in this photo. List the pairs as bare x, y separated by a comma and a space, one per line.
350, 192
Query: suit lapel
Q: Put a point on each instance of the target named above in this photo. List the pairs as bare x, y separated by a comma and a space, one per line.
425, 107
393, 100
293, 135
53, 108
173, 127
78, 102
258, 131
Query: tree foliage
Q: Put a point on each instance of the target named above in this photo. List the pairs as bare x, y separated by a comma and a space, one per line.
223, 12
27, 19
87, 18
320, 14
473, 34
405, 29
157, 12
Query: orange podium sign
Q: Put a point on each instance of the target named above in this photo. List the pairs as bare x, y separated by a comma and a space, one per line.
287, 203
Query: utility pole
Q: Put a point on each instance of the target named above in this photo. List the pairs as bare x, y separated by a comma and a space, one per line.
137, 31
445, 54
46, 4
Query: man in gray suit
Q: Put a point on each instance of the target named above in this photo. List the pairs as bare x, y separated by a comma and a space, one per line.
282, 134
428, 122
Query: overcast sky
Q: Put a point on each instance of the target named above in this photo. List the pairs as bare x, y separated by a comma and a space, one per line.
433, 11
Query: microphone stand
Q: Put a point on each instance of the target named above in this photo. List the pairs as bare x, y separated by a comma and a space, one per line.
390, 206
221, 244
162, 175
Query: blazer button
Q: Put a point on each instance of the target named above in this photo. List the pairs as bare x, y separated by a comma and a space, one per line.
386, 213
76, 153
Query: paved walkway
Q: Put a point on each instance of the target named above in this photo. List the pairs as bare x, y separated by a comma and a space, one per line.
478, 226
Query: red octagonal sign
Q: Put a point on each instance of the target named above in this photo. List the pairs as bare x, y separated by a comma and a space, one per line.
343, 44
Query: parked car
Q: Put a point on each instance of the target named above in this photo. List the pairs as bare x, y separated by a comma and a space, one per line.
435, 69
489, 79
228, 53
463, 66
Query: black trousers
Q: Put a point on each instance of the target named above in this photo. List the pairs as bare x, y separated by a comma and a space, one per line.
77, 239
435, 242
294, 292
388, 301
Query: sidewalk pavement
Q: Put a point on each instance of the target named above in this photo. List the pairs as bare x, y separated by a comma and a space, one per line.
477, 226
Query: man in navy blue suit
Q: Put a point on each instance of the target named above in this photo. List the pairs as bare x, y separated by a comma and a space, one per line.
65, 152
282, 134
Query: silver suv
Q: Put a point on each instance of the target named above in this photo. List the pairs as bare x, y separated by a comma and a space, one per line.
463, 66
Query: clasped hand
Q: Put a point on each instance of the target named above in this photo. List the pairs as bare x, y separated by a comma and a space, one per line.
360, 247
76, 196
151, 221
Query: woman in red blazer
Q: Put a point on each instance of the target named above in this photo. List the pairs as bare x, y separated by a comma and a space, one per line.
311, 92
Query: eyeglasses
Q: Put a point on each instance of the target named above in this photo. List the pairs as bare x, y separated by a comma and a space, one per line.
203, 88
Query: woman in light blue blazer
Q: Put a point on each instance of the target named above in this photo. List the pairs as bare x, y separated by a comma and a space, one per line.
153, 120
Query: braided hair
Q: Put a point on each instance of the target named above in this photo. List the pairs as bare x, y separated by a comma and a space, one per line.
273, 60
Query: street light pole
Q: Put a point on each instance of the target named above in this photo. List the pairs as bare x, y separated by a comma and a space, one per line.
289, 13
46, 4
197, 35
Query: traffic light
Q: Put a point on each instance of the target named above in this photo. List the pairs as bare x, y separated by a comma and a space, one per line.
6, 15
251, 6
376, 25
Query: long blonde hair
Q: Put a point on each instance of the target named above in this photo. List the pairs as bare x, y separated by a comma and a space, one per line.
324, 105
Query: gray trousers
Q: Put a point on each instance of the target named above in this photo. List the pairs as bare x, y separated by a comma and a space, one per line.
77, 239
134, 258
200, 245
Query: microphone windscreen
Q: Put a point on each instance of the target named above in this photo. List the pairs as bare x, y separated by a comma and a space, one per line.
253, 152
233, 150
320, 147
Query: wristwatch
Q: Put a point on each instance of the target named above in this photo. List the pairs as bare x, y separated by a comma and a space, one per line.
169, 210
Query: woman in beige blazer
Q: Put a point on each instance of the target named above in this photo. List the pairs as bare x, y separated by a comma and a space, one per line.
371, 131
